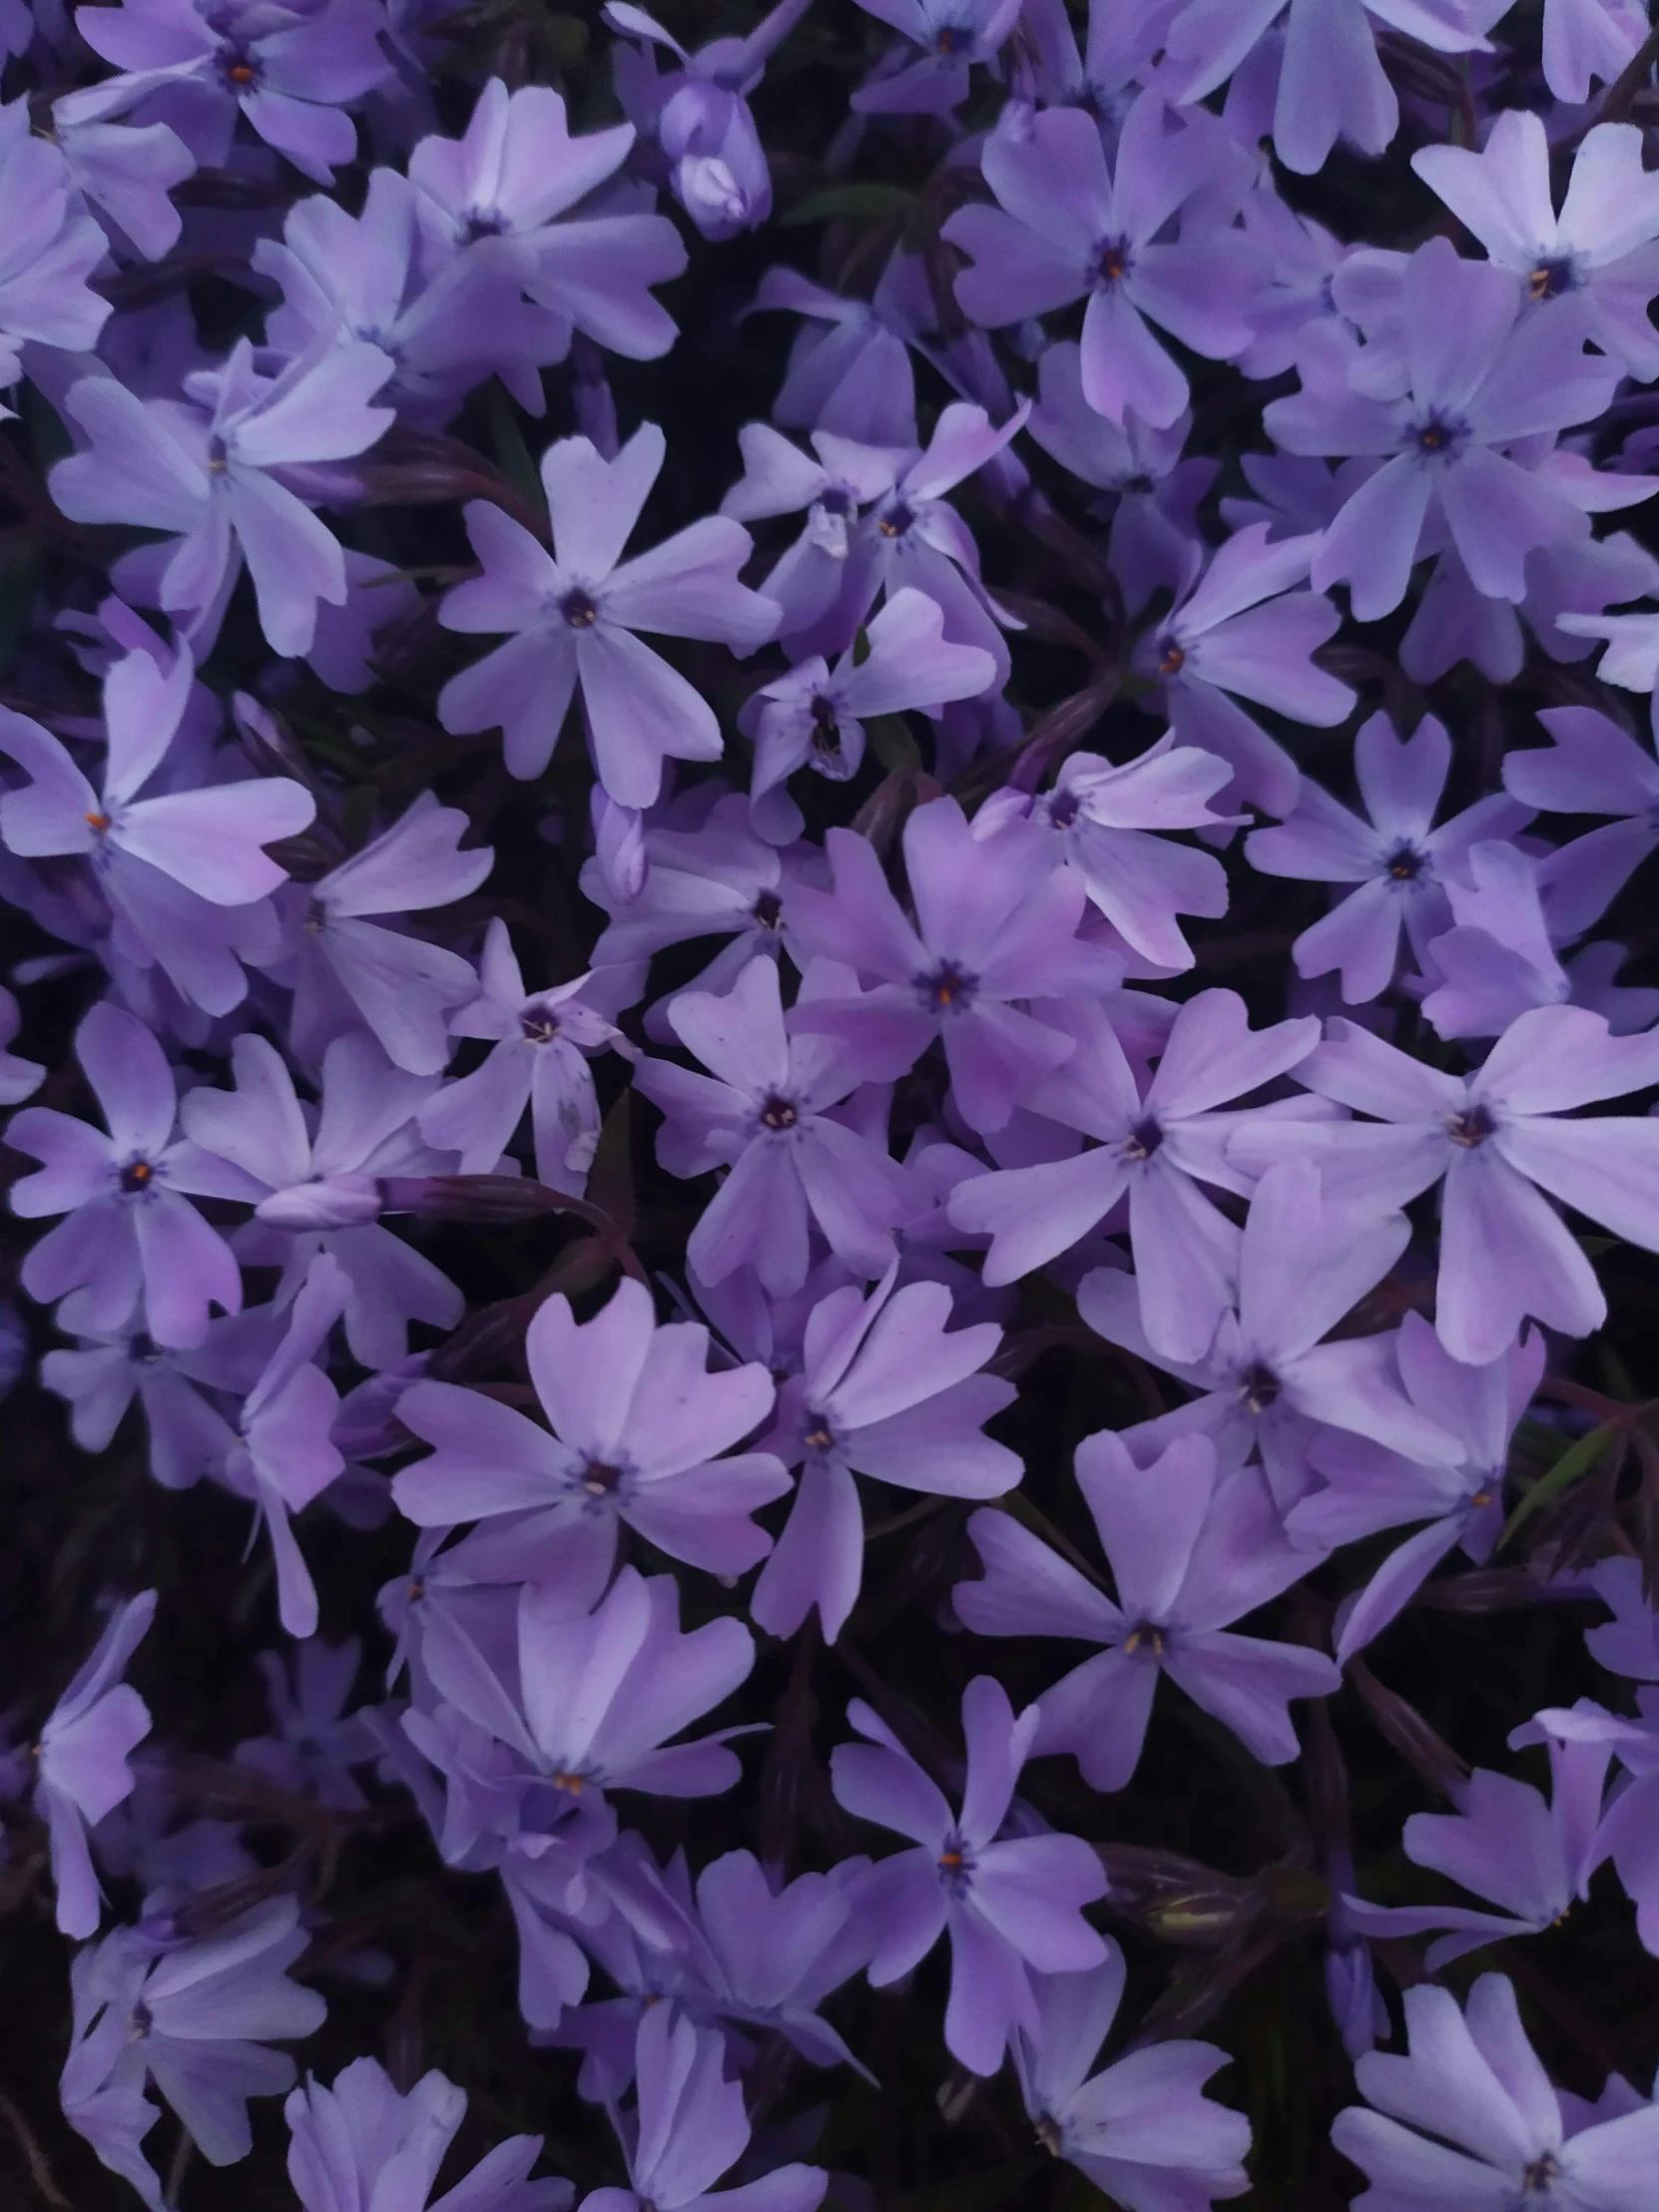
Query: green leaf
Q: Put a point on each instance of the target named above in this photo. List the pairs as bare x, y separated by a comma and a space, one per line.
1574, 1463
512, 454
892, 742
874, 203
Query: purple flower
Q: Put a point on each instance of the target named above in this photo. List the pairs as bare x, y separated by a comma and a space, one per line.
1399, 860
814, 717
130, 1233
1469, 371
541, 1042
952, 35
1331, 83
706, 875
594, 1695
319, 1188
194, 2019
285, 1455
129, 171
165, 862
766, 1114
510, 184
289, 71
1153, 1149
1154, 522
348, 969
884, 1390
189, 1435
855, 377
575, 612
773, 1953
1596, 259
370, 279
1267, 1381
361, 2143
1533, 1859
1586, 39
638, 1424
1142, 2128
1010, 1904
1107, 820
315, 1743
1191, 1549
779, 479
1594, 767
698, 114
1068, 228
19, 1080
1371, 1488
1498, 1140
82, 1760
689, 2127
51, 248
912, 536
1238, 629
995, 921
1469, 2117
209, 475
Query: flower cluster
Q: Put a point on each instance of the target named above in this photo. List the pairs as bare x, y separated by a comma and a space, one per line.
816, 874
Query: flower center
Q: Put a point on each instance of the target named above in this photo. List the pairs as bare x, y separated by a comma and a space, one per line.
1550, 276
139, 2022
1172, 657
1406, 863
481, 223
135, 1178
896, 520
819, 1434
827, 736
1471, 1127
99, 823
239, 68
570, 1780
1258, 1388
1144, 1636
1048, 2134
601, 1480
1112, 260
955, 1867
1437, 436
768, 911
834, 499
317, 917
779, 1112
949, 989
539, 1028
952, 39
578, 610
1543, 2172
1143, 1140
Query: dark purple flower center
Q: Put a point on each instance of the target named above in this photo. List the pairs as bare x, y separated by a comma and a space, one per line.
1172, 657
1406, 863
947, 990
896, 520
1112, 260
317, 917
1138, 485
139, 2022
827, 736
1049, 2133
834, 499
820, 1432
143, 1349
779, 1112
604, 1484
1064, 808
1471, 1127
1258, 1388
239, 68
1143, 1140
1541, 2174
1550, 276
538, 1025
481, 223
955, 1867
951, 39
1144, 1636
768, 911
1437, 435
137, 1177
578, 610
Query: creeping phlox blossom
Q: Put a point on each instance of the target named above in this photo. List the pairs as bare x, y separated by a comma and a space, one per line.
1055, 1092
